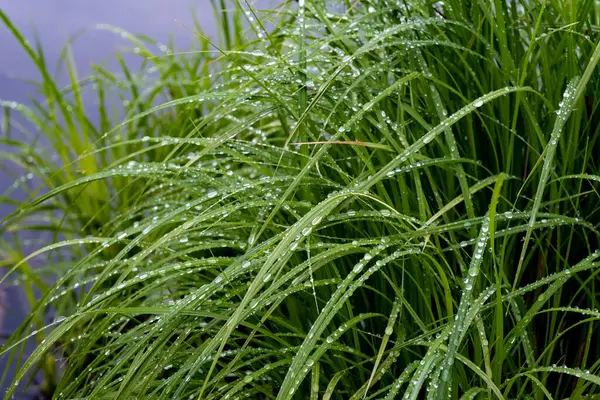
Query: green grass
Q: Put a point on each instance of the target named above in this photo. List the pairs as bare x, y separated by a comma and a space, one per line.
353, 200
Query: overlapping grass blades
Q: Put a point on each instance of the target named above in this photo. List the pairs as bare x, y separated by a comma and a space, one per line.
374, 199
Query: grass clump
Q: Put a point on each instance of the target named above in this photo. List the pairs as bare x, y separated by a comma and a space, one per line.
377, 199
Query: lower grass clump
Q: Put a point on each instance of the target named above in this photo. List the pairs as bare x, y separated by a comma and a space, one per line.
378, 199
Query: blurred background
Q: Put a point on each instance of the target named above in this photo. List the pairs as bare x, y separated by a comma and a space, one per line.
55, 21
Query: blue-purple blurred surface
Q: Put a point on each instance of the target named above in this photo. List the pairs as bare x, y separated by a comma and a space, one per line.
56, 20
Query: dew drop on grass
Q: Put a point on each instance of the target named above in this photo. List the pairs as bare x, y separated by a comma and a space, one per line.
267, 277
246, 264
389, 330
218, 279
478, 103
329, 339
316, 221
306, 231
122, 235
211, 194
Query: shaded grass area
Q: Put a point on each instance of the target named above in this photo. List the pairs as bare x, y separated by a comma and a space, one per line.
346, 200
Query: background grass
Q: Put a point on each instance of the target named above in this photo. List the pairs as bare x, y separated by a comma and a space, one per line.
371, 199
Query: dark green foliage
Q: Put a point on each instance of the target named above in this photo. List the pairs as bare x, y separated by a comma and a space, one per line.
348, 200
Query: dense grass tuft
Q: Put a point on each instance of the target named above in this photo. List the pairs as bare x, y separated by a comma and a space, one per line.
362, 199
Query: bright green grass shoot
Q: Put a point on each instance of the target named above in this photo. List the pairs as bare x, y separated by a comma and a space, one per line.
332, 200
